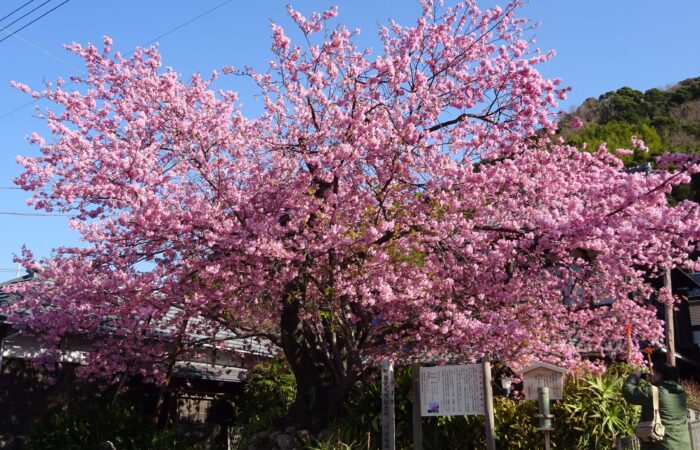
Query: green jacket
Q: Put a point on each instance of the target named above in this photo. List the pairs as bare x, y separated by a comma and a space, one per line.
672, 408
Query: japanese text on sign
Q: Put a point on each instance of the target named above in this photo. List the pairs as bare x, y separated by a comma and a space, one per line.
543, 377
452, 390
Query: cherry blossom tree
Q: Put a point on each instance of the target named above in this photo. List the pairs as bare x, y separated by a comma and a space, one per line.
410, 202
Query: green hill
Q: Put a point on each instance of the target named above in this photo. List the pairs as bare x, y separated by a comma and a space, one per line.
667, 120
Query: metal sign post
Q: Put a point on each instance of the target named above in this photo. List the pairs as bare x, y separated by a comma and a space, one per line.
388, 430
544, 415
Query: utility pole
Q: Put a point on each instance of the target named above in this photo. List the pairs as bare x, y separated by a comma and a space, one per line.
670, 332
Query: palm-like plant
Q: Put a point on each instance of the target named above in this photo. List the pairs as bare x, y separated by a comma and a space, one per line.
593, 413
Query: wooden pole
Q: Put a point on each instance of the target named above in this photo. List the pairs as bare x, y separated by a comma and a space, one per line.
670, 331
489, 421
417, 421
388, 431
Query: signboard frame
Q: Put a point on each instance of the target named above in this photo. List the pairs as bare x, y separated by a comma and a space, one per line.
541, 374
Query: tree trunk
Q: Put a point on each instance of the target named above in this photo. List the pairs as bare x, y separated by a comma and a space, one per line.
160, 415
323, 380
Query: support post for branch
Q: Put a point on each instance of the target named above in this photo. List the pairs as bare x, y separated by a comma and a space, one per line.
489, 421
417, 421
670, 331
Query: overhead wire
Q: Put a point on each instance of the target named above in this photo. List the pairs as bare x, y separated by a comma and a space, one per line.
38, 18
23, 16
184, 24
167, 33
21, 107
47, 53
172, 30
5, 17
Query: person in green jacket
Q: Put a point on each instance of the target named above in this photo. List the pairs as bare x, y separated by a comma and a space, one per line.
672, 405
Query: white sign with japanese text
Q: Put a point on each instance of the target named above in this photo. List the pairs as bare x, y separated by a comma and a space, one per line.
452, 390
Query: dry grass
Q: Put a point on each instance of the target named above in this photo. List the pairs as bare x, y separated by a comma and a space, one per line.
692, 388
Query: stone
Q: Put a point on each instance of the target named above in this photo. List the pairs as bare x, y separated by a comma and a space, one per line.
285, 442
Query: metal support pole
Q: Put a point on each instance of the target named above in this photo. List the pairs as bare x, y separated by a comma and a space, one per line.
544, 415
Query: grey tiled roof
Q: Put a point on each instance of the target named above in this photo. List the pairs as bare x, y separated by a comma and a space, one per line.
204, 371
166, 330
7, 298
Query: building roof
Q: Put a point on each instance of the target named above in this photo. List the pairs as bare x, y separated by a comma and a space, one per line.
694, 292
543, 365
205, 371
20, 347
7, 298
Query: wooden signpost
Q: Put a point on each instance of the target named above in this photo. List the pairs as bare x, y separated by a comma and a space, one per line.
668, 319
388, 425
417, 422
544, 382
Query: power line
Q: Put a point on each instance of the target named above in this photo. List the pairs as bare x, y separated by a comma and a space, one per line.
11, 187
25, 26
186, 23
46, 52
23, 16
16, 10
19, 108
172, 30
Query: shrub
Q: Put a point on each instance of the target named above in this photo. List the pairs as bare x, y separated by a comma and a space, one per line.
87, 426
692, 389
591, 415
515, 427
268, 395
593, 412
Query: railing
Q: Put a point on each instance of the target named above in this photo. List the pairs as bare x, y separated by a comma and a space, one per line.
233, 438
694, 428
632, 443
627, 443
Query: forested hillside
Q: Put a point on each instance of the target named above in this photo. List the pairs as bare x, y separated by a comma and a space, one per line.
667, 120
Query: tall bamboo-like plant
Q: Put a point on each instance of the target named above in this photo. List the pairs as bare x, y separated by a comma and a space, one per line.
593, 413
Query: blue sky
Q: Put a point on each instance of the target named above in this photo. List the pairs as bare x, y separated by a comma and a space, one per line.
601, 45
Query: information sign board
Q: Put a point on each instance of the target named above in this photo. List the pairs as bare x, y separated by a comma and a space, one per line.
543, 375
452, 390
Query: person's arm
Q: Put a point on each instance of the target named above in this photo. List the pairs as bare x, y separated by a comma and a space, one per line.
633, 392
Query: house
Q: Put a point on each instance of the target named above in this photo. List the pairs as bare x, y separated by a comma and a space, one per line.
200, 376
686, 320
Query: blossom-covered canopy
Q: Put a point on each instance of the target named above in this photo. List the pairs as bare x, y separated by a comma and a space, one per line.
405, 201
